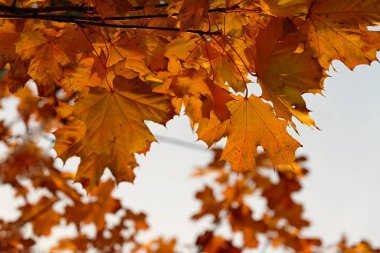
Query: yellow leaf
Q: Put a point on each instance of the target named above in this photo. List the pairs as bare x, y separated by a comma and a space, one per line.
115, 127
47, 59
200, 95
179, 50
337, 30
226, 71
78, 78
233, 24
285, 8
212, 130
253, 124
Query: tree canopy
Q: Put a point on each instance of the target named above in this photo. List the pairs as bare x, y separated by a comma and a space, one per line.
103, 68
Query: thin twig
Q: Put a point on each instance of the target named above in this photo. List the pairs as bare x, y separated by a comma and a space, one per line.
40, 12
103, 24
52, 9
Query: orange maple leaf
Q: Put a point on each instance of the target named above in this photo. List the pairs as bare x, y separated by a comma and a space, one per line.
338, 30
253, 124
115, 127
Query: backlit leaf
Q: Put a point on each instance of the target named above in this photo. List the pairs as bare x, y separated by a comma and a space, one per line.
253, 124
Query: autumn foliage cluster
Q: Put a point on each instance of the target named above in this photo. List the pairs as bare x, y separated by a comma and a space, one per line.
103, 68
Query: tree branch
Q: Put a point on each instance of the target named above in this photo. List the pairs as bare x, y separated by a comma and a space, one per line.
17, 10
52, 9
40, 12
84, 23
86, 16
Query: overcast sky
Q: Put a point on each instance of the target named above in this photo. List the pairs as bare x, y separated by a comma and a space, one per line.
341, 194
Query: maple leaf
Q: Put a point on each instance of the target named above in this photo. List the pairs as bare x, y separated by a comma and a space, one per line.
42, 216
8, 37
182, 52
139, 220
47, 59
287, 8
74, 40
227, 71
94, 212
79, 78
104, 67
284, 73
193, 13
32, 106
283, 218
67, 135
212, 130
200, 96
110, 7
241, 221
337, 30
212, 243
16, 76
25, 159
253, 124
211, 206
115, 127
279, 199
158, 245
360, 247
126, 47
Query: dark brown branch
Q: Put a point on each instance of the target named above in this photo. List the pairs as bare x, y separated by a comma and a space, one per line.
172, 29
85, 16
52, 9
85, 23
24, 12
221, 10
17, 10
